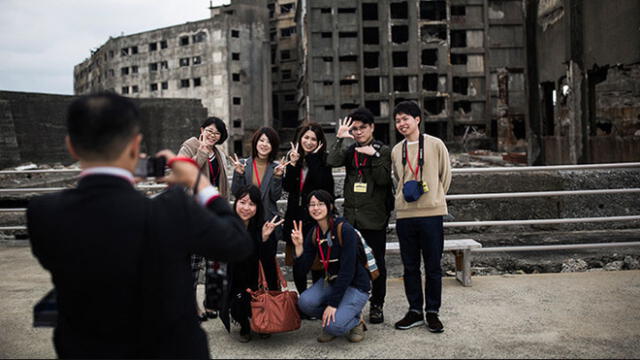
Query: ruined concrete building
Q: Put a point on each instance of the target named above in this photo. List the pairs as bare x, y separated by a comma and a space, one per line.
450, 56
584, 75
222, 60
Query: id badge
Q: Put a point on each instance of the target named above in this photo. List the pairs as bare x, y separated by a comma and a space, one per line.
360, 187
425, 188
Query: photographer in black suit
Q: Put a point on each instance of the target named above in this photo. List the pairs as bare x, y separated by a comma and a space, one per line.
118, 260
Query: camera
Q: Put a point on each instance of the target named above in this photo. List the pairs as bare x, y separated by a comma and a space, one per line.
151, 167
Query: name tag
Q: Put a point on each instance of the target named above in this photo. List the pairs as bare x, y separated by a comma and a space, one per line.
360, 187
425, 188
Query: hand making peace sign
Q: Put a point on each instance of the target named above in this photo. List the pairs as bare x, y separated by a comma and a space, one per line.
269, 226
296, 237
237, 164
279, 170
294, 155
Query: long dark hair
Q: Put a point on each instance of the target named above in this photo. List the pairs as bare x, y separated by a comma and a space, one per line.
256, 222
274, 140
317, 129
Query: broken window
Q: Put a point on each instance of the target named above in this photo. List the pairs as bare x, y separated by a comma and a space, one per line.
433, 33
399, 10
435, 105
237, 147
458, 59
373, 106
272, 35
112, 73
288, 31
433, 10
347, 10
372, 84
153, 87
286, 8
327, 83
272, 10
458, 38
153, 47
237, 100
124, 71
461, 85
370, 11
125, 89
370, 36
325, 10
237, 123
196, 60
430, 57
163, 44
134, 50
235, 33
285, 55
289, 98
347, 34
399, 34
326, 35
184, 83
165, 85
235, 56
273, 54
463, 106
348, 81
199, 37
124, 51
371, 59
401, 83
110, 54
235, 77
458, 10
327, 59
347, 58
430, 82
184, 40
134, 69
286, 74
436, 128
135, 89
274, 70
400, 59
329, 107
349, 106
164, 65
184, 62
197, 82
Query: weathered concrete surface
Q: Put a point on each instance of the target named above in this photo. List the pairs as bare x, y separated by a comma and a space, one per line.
574, 315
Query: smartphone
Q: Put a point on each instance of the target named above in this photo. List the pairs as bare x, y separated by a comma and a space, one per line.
151, 167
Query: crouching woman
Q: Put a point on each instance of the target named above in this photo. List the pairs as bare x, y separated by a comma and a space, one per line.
340, 296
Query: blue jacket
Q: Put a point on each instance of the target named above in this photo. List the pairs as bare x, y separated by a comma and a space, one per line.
345, 269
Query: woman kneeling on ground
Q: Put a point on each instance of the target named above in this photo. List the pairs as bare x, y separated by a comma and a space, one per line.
340, 296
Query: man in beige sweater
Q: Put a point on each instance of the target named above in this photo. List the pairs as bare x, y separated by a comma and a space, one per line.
421, 167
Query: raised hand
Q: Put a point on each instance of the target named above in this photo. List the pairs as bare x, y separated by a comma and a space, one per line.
202, 146
344, 128
294, 154
296, 237
279, 170
237, 164
367, 150
269, 226
318, 148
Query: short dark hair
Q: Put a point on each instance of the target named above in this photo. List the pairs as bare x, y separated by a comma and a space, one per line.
362, 114
407, 107
256, 222
324, 197
273, 137
220, 126
100, 125
317, 129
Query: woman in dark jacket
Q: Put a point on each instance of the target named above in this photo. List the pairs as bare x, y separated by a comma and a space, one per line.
307, 171
343, 292
243, 275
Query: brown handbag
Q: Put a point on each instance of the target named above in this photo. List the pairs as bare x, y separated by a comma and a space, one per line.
273, 311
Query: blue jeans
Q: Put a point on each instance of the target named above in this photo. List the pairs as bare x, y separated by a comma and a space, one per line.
313, 302
422, 236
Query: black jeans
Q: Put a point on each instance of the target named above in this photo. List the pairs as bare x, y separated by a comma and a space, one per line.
424, 236
377, 241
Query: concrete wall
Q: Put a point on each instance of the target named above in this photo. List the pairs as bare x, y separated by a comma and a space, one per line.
36, 124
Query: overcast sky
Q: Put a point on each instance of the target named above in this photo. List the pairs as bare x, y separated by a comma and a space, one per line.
41, 40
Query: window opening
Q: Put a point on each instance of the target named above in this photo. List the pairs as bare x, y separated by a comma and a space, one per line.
400, 59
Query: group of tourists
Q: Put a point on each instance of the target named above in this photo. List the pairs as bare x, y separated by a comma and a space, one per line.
412, 178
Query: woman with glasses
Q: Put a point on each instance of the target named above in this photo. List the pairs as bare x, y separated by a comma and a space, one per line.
339, 297
211, 162
307, 171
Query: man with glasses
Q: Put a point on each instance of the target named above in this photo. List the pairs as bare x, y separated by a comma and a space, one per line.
368, 196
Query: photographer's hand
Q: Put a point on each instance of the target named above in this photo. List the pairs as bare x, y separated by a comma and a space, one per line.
184, 171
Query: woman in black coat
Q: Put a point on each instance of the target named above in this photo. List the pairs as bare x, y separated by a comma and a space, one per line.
243, 275
306, 172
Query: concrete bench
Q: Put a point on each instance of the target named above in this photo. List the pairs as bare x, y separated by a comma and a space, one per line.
460, 248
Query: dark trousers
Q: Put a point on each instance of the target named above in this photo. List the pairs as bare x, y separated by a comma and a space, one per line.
377, 241
301, 279
422, 236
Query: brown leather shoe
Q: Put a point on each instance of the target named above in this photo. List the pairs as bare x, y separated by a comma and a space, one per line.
357, 333
325, 337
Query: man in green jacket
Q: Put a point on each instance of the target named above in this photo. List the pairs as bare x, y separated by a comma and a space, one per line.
368, 194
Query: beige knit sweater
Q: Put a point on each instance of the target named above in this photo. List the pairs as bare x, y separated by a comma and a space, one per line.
436, 172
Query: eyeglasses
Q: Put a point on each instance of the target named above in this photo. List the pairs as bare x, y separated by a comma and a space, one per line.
316, 205
361, 128
212, 133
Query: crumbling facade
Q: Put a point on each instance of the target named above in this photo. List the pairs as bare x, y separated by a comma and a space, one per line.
222, 60
447, 55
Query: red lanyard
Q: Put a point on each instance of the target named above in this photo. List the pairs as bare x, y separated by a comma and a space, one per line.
325, 260
364, 163
415, 173
302, 179
255, 171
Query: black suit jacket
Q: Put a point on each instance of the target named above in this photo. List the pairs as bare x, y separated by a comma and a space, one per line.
121, 265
